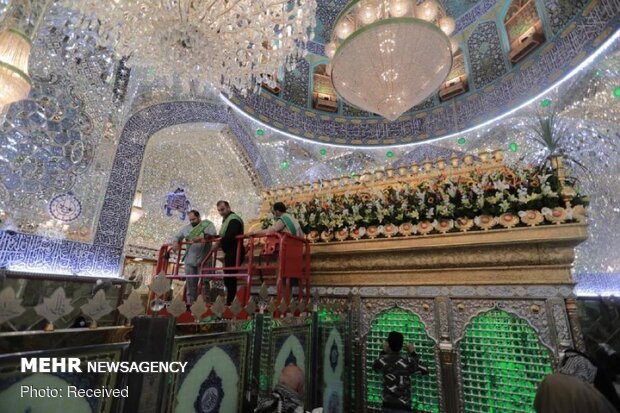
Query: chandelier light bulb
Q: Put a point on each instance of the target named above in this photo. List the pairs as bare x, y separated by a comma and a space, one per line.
330, 49
447, 25
399, 8
454, 45
367, 14
427, 10
344, 29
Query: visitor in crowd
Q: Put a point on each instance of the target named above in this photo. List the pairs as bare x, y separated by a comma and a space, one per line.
397, 370
284, 222
608, 362
579, 386
287, 396
197, 232
232, 226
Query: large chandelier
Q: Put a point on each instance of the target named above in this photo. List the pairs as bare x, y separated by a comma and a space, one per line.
389, 55
14, 55
229, 44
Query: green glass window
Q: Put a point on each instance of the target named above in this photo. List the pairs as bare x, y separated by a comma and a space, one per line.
327, 316
502, 363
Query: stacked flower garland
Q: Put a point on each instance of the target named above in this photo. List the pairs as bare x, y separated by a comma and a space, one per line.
479, 201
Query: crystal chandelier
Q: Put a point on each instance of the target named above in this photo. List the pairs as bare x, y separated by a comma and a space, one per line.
14, 54
229, 44
389, 55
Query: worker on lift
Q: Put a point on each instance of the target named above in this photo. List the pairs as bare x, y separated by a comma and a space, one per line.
284, 223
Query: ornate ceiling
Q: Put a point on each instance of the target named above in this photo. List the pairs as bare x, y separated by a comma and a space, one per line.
195, 157
572, 31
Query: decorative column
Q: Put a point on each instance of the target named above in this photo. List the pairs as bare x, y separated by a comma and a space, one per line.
357, 368
563, 336
447, 357
575, 328
449, 385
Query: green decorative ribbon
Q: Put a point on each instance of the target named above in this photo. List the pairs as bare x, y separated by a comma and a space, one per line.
290, 225
229, 218
196, 231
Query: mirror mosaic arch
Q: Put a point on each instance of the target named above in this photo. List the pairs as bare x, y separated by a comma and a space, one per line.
39, 254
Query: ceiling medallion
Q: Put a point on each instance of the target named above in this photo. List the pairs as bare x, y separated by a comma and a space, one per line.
388, 56
229, 44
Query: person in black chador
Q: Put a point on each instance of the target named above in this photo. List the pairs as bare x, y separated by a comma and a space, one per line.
232, 226
397, 370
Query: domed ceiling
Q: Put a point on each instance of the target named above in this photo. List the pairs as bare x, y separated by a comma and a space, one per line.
487, 32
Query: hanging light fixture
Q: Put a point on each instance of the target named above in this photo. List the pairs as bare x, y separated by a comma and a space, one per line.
136, 209
14, 54
388, 56
232, 45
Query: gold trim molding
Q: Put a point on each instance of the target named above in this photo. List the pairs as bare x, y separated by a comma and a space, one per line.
532, 255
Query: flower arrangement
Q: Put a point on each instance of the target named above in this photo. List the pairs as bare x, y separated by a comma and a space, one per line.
448, 203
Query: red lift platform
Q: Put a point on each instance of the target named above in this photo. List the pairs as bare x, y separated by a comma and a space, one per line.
275, 258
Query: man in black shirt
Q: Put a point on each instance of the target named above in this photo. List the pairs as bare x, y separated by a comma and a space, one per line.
232, 226
397, 370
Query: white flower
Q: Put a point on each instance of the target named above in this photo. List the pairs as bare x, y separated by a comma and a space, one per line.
501, 185
430, 213
451, 190
546, 190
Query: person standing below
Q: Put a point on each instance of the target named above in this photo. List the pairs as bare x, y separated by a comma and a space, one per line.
397, 371
579, 385
232, 227
284, 222
197, 232
287, 396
